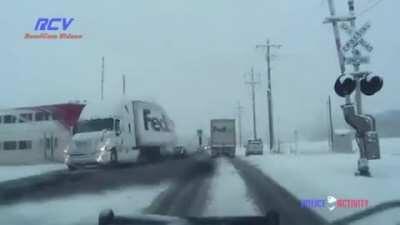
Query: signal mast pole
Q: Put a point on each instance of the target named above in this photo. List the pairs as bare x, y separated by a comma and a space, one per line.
330, 123
334, 20
356, 66
123, 84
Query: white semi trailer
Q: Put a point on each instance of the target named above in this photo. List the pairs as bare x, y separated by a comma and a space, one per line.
123, 131
223, 137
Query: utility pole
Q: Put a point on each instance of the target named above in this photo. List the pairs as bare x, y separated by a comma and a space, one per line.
200, 137
334, 20
123, 84
268, 47
252, 84
330, 123
102, 78
240, 110
356, 66
296, 141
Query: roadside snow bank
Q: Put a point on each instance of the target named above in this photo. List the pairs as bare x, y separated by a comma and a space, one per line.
314, 173
80, 209
15, 172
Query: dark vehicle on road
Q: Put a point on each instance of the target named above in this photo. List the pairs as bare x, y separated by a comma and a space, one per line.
180, 152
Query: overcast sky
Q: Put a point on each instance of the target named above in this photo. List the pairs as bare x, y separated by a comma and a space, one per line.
191, 56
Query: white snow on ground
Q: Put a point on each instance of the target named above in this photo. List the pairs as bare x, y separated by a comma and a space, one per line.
228, 196
314, 173
82, 209
389, 217
15, 172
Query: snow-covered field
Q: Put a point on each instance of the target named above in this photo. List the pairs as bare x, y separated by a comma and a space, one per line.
15, 172
80, 209
314, 173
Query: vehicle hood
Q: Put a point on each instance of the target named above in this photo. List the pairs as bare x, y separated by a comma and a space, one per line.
88, 136
87, 142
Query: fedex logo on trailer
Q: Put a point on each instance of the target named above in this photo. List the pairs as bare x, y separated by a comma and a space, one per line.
53, 23
154, 122
222, 129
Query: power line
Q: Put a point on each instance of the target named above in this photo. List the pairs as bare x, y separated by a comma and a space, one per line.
370, 7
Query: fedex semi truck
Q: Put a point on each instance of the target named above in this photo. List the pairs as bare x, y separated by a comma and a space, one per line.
126, 131
223, 137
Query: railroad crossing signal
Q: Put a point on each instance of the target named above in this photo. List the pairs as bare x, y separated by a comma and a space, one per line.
357, 58
356, 37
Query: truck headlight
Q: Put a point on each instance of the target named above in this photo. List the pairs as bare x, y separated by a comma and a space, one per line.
106, 146
103, 148
66, 150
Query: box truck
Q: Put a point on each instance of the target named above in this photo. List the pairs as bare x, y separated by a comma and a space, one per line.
223, 137
123, 131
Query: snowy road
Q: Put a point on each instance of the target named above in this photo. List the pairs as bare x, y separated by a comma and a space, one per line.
228, 193
196, 186
230, 187
201, 186
61, 184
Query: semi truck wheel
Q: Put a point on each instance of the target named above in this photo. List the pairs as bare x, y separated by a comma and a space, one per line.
150, 154
71, 167
154, 154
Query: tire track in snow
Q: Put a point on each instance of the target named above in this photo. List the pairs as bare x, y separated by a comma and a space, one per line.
228, 193
268, 195
62, 184
188, 195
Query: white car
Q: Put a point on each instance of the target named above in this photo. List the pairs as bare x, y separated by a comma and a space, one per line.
254, 147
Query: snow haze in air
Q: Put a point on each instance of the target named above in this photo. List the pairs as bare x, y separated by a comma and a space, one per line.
192, 57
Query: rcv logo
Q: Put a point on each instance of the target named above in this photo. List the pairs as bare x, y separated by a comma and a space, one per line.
53, 24
157, 124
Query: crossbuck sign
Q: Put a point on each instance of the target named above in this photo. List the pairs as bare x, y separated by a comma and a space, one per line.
356, 37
